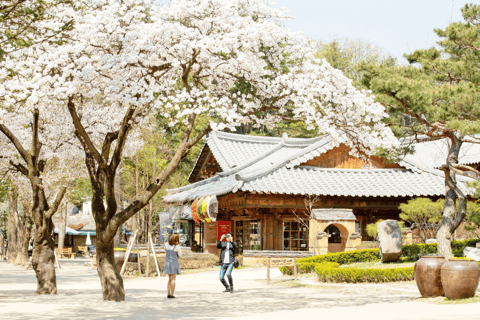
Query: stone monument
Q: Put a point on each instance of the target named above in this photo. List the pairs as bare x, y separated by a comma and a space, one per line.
390, 238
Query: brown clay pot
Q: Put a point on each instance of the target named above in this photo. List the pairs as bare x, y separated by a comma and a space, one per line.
460, 278
119, 257
427, 275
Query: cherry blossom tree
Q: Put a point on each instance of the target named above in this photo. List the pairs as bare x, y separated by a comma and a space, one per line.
20, 24
227, 61
41, 151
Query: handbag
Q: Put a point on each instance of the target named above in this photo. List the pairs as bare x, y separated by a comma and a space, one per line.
236, 264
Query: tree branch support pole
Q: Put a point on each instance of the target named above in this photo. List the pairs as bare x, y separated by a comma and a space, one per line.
127, 254
138, 258
56, 259
268, 271
295, 268
154, 254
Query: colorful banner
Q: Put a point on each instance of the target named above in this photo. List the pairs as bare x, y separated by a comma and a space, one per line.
223, 228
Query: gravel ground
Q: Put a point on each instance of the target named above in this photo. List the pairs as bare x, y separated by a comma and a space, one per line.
199, 296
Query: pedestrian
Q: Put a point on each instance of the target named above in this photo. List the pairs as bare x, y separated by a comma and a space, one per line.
172, 268
227, 258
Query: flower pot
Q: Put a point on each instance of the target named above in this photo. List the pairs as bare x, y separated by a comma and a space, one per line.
427, 272
460, 278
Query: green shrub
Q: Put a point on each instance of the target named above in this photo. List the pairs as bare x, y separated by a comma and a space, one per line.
459, 246
330, 272
286, 270
306, 265
346, 257
409, 251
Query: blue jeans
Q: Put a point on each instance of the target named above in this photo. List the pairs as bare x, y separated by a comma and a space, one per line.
228, 267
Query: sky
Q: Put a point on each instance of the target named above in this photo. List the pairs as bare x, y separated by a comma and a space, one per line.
397, 26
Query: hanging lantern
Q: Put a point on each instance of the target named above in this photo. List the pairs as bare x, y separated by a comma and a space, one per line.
194, 211
212, 208
204, 209
199, 209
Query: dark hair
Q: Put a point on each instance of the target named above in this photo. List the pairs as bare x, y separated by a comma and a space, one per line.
174, 239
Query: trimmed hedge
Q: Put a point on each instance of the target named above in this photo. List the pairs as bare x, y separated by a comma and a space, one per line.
346, 257
330, 272
307, 265
411, 250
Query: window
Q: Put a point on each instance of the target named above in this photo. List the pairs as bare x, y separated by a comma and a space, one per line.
239, 235
335, 235
248, 235
255, 235
295, 236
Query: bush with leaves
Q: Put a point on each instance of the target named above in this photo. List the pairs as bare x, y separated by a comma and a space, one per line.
330, 272
425, 213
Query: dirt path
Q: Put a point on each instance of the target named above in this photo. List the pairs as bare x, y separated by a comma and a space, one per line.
199, 297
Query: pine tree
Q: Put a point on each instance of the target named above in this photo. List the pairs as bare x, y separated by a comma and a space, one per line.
437, 97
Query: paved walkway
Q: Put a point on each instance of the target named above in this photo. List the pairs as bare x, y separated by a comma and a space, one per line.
199, 297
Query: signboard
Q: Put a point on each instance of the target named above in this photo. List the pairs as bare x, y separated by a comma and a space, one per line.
210, 233
223, 228
279, 262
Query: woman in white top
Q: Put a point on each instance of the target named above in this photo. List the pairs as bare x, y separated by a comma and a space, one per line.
172, 267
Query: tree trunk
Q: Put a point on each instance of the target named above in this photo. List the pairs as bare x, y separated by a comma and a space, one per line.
43, 259
146, 215
112, 282
451, 218
62, 227
117, 238
17, 246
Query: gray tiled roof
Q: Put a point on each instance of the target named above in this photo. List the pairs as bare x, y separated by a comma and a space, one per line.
274, 165
334, 214
433, 154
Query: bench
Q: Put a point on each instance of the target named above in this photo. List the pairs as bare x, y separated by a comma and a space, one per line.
83, 250
66, 252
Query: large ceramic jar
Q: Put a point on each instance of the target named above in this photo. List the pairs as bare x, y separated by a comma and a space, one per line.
460, 278
119, 257
427, 272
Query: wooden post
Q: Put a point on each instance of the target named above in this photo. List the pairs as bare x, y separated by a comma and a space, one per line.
127, 254
56, 259
154, 255
268, 271
138, 258
295, 268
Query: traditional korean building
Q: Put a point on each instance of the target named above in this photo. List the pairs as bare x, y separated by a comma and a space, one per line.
299, 194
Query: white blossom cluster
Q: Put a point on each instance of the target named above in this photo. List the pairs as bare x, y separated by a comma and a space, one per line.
227, 60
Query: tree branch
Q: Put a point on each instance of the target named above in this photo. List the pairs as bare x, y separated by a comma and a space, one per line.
144, 197
51, 211
458, 167
18, 145
121, 138
35, 144
199, 136
471, 140
109, 139
20, 168
82, 134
